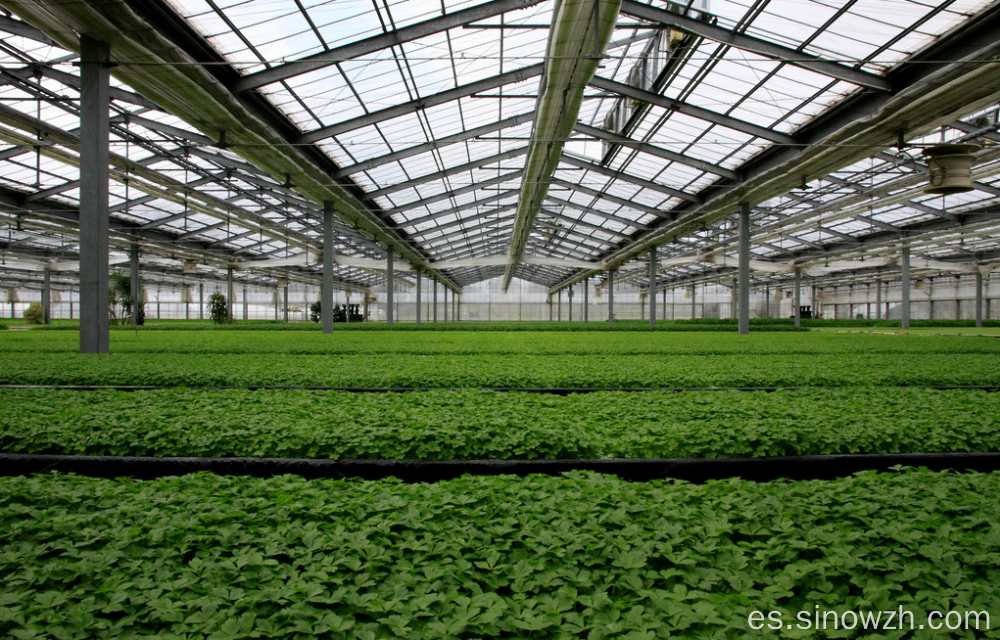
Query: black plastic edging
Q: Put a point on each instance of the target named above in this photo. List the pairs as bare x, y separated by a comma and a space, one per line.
563, 391
693, 470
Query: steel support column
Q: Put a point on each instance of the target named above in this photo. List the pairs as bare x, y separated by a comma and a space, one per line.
95, 87
434, 314
559, 306
201, 301
767, 301
586, 299
326, 288
390, 272
444, 294
743, 295
878, 299
569, 295
979, 298
246, 305
652, 287
418, 297
904, 322
694, 302
47, 297
285, 303
611, 296
229, 293
133, 263
797, 300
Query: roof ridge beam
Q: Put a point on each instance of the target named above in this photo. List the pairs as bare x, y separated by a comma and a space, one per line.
461, 91
757, 45
378, 43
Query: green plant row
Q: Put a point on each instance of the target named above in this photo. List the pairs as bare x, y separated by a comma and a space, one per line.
471, 425
560, 558
620, 325
477, 343
522, 371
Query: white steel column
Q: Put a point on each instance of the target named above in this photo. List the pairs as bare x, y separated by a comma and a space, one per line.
133, 259
326, 288
390, 285
652, 287
229, 294
979, 298
47, 297
95, 87
878, 299
611, 296
797, 301
418, 297
905, 304
743, 295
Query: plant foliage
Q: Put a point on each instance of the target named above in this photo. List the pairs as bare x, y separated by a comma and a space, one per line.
560, 558
472, 425
218, 309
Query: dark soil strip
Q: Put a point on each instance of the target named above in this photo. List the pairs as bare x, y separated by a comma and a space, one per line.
694, 470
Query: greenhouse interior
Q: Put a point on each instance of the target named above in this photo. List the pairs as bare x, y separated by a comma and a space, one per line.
469, 319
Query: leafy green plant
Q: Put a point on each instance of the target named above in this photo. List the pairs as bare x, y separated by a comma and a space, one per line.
34, 314
120, 301
316, 311
218, 309
472, 425
546, 558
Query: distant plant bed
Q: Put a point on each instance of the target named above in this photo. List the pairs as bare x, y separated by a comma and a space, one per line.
478, 425
547, 558
914, 324
620, 325
414, 370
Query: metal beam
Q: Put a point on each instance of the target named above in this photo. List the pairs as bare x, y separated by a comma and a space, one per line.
635, 206
450, 171
691, 110
433, 145
377, 43
25, 30
621, 175
653, 150
597, 212
459, 209
756, 45
461, 221
420, 104
507, 177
